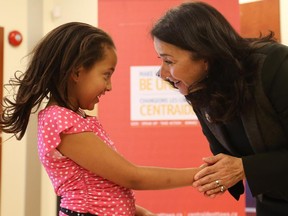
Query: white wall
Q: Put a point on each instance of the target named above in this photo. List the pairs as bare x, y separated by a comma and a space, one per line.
13, 152
284, 21
25, 187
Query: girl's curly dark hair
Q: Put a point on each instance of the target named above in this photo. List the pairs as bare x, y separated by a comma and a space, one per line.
61, 52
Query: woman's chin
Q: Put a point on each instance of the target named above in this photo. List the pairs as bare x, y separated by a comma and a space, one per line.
182, 88
183, 91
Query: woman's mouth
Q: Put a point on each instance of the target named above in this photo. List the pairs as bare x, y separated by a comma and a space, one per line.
177, 84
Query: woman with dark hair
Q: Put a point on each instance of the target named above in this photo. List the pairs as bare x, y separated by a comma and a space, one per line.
238, 89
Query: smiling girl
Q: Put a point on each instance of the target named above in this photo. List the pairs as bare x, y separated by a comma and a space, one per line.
72, 66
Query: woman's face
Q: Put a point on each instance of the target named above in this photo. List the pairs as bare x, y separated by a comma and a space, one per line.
179, 67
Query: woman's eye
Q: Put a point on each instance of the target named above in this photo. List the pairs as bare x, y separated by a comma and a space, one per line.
168, 62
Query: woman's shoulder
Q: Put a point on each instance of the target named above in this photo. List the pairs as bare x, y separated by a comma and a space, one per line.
276, 55
272, 49
274, 81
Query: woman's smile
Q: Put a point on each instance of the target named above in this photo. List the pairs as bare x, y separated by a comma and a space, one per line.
179, 66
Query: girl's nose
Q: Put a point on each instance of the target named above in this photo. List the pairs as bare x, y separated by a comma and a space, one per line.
109, 86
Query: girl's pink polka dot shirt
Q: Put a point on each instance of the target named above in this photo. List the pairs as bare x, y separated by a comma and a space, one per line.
80, 189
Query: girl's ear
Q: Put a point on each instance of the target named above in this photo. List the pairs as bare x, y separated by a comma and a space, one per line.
75, 75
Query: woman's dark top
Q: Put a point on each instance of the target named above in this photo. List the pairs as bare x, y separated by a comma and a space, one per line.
260, 135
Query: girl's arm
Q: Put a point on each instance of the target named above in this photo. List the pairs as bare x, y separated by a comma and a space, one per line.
140, 211
90, 152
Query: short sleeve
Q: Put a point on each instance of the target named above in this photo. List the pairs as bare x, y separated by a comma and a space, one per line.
54, 121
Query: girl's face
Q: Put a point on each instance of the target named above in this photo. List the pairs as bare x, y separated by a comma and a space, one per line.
179, 67
89, 85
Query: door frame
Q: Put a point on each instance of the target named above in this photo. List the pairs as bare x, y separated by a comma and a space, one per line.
1, 91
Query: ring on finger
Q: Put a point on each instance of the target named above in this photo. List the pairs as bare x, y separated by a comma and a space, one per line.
222, 188
217, 182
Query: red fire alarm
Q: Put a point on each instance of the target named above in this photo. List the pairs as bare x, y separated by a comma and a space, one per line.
15, 38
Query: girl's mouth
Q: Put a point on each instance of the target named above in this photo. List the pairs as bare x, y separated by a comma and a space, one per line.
100, 95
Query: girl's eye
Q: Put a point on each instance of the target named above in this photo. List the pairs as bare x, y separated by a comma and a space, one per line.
108, 75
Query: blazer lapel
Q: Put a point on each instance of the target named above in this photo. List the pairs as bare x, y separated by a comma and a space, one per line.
252, 129
219, 132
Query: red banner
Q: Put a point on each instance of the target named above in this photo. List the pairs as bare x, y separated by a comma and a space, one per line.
149, 125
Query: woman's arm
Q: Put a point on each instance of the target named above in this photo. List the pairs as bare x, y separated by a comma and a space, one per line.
90, 152
272, 166
267, 171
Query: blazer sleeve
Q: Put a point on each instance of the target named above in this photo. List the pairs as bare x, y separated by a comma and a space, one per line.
217, 148
268, 172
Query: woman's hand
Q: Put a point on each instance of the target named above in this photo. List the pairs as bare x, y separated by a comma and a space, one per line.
222, 172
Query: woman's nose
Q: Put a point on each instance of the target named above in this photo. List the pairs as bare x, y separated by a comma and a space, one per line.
163, 74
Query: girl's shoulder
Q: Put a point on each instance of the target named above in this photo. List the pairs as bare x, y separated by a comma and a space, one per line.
64, 114
57, 110
67, 120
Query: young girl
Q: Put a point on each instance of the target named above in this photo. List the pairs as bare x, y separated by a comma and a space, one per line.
72, 66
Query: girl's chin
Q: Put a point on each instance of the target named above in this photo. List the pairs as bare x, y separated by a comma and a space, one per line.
91, 106
95, 102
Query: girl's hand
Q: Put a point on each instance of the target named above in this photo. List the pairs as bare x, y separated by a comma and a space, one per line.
222, 172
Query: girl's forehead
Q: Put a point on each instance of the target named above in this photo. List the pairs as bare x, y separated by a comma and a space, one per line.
109, 59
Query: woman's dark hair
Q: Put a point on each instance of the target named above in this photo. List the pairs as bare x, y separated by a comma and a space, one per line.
61, 52
201, 29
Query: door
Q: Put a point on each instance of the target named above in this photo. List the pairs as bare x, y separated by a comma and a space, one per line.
1, 84
260, 16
